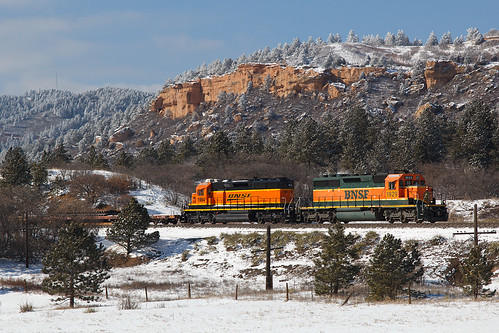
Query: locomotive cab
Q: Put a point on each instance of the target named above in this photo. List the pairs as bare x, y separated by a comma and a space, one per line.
203, 195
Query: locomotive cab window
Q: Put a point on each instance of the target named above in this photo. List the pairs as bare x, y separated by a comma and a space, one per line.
391, 185
201, 192
408, 183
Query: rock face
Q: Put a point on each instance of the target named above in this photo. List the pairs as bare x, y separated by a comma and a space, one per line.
438, 73
179, 100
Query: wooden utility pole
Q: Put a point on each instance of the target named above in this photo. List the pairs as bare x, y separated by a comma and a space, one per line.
26, 239
475, 222
269, 285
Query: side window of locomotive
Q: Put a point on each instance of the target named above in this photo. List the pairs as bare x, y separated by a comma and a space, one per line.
408, 183
391, 185
422, 182
208, 191
201, 192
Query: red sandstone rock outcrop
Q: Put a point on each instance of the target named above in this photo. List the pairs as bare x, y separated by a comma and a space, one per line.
181, 99
122, 134
438, 73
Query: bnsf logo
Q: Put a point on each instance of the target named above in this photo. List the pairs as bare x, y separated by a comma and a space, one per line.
235, 196
356, 194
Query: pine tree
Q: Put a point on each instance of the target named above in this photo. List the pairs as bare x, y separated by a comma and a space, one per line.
96, 160
428, 143
335, 268
401, 39
446, 39
75, 265
352, 37
475, 131
129, 230
186, 149
166, 152
432, 40
390, 268
15, 169
40, 175
243, 144
355, 145
477, 271
124, 159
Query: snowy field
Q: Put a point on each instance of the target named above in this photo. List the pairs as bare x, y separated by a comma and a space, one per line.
218, 270
224, 315
186, 255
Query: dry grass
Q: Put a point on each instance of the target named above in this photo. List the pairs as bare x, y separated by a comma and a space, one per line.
20, 284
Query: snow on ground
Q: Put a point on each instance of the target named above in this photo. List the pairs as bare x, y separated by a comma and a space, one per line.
214, 271
225, 315
186, 255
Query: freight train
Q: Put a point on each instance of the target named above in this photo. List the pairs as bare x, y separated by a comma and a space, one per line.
396, 197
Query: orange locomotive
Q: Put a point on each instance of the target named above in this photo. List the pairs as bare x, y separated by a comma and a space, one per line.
246, 200
394, 197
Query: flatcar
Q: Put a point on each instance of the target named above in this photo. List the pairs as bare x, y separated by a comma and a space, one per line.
402, 197
245, 200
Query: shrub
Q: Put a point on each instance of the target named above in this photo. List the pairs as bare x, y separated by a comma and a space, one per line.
26, 307
128, 303
185, 255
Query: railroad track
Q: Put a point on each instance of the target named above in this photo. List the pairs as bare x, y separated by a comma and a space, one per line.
351, 225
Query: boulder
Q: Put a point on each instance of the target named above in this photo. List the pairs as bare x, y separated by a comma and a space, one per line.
122, 134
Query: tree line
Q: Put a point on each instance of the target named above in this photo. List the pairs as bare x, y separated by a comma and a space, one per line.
392, 267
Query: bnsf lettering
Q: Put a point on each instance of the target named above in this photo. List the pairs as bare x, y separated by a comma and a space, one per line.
236, 196
356, 194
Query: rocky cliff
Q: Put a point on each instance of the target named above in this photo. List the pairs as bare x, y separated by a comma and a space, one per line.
181, 99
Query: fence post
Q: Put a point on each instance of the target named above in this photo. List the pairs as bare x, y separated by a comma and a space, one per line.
107, 296
147, 299
287, 292
189, 291
25, 286
237, 289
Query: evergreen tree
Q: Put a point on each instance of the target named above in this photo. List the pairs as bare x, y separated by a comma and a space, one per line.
15, 169
446, 39
355, 144
477, 271
335, 268
75, 265
40, 175
166, 152
124, 159
432, 40
403, 157
401, 39
219, 145
243, 144
390, 268
186, 149
129, 230
474, 36
389, 39
148, 156
309, 144
428, 143
475, 132
96, 160
352, 37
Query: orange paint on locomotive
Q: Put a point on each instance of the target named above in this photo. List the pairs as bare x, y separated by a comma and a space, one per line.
397, 186
205, 196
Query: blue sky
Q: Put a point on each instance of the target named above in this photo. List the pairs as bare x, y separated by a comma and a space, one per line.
87, 44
